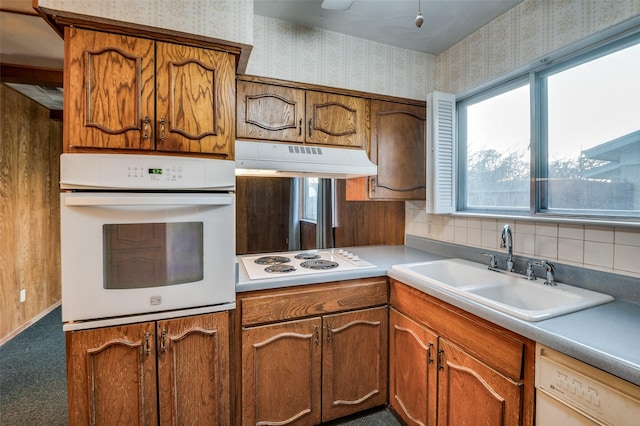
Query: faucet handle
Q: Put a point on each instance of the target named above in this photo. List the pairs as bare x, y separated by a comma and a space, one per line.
530, 273
493, 263
550, 266
551, 272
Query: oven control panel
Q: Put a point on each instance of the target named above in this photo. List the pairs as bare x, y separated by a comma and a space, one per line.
168, 174
129, 171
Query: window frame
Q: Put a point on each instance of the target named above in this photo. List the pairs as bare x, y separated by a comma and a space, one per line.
536, 76
304, 208
461, 201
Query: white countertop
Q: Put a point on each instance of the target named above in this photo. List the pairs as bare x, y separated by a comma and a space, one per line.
606, 336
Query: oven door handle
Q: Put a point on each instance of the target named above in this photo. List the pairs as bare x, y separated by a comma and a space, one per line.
145, 200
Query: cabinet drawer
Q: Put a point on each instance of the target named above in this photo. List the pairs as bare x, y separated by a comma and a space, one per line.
277, 305
495, 346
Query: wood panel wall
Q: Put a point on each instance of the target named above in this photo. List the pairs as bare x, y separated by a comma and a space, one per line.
365, 223
262, 214
29, 211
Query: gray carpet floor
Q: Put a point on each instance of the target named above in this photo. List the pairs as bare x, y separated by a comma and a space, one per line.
33, 384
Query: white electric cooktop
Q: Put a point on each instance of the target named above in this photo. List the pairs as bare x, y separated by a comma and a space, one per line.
285, 264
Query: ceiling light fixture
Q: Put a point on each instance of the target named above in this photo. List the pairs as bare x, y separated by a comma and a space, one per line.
419, 17
336, 4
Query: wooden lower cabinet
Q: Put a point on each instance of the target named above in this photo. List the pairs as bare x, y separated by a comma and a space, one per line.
354, 362
281, 373
471, 393
413, 372
165, 372
328, 364
314, 370
448, 367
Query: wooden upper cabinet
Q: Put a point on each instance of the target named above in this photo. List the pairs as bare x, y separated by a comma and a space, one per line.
109, 90
131, 93
195, 100
398, 142
270, 112
281, 113
336, 119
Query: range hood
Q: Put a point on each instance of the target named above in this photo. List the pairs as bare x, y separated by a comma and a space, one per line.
296, 160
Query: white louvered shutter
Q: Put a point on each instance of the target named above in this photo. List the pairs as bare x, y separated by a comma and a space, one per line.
441, 122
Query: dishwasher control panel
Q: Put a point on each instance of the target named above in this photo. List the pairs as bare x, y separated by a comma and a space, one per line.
599, 395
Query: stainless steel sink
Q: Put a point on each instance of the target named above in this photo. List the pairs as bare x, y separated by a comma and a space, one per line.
506, 292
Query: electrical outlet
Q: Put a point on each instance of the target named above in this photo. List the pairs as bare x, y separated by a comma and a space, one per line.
23, 295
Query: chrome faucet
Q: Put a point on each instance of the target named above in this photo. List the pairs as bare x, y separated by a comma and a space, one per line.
493, 263
551, 272
506, 241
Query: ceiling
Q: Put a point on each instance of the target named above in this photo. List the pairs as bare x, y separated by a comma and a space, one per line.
26, 39
392, 22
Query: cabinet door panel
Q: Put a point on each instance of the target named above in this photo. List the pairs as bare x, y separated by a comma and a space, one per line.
193, 370
492, 398
281, 373
109, 83
270, 112
336, 119
354, 374
412, 370
111, 376
195, 100
398, 148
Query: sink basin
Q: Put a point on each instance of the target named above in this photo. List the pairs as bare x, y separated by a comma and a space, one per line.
506, 292
457, 273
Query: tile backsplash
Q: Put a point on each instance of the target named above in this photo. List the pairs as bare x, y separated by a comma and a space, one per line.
605, 248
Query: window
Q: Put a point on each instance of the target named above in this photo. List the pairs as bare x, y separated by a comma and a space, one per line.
309, 199
497, 164
563, 140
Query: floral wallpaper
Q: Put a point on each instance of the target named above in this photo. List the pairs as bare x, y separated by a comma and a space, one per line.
309, 55
524, 34
230, 20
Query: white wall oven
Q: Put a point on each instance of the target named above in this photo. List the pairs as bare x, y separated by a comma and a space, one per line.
144, 234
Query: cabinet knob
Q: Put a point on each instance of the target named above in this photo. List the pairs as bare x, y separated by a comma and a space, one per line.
147, 345
163, 341
146, 127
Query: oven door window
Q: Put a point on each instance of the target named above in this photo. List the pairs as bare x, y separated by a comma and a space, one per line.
139, 255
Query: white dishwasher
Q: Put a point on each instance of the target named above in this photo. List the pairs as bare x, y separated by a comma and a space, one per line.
572, 393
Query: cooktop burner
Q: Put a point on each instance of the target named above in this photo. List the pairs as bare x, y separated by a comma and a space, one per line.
271, 260
280, 268
272, 265
319, 264
307, 255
